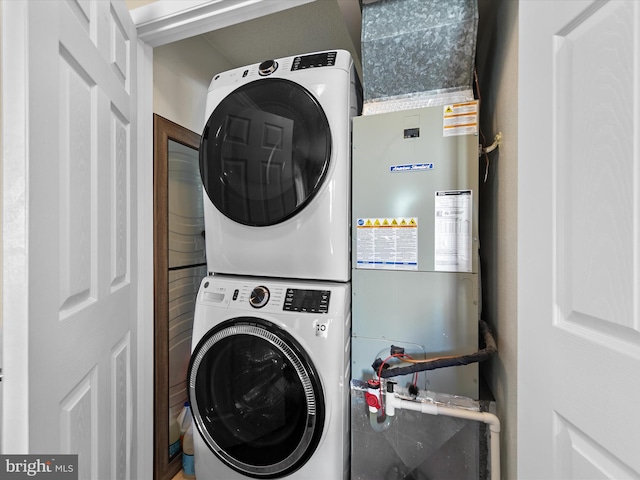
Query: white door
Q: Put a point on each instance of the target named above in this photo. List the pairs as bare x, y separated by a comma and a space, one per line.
579, 240
69, 253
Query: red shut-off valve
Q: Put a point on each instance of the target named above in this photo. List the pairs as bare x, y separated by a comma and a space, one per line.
372, 396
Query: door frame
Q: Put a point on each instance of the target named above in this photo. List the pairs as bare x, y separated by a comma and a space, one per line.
14, 230
164, 131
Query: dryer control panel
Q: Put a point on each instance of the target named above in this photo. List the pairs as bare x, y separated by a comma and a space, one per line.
322, 59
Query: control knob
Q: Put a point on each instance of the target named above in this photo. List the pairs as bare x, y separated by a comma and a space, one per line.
259, 297
267, 67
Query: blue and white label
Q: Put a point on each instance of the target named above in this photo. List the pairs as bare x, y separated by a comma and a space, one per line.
387, 243
411, 167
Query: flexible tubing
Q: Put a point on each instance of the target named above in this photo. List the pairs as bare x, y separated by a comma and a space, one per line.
479, 356
379, 426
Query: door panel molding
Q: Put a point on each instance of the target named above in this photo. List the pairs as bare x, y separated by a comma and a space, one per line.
578, 237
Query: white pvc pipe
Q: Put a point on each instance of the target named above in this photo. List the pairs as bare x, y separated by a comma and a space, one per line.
392, 403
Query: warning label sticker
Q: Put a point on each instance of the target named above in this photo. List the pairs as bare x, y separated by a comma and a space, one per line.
387, 243
460, 119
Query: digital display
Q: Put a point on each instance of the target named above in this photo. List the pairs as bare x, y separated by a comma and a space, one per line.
324, 59
310, 301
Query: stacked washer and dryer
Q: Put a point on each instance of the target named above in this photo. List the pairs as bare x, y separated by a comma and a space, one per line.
269, 375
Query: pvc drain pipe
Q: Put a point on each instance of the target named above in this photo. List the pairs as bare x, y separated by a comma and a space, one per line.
393, 403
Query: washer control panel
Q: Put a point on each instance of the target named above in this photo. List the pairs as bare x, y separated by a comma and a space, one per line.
271, 297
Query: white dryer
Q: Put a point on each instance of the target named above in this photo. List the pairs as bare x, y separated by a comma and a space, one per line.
269, 377
275, 161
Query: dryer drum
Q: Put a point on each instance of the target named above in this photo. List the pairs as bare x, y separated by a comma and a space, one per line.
256, 398
265, 152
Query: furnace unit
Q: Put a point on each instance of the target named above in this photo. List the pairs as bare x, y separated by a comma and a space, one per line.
415, 266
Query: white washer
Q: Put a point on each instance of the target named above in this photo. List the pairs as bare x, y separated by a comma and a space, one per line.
268, 380
275, 161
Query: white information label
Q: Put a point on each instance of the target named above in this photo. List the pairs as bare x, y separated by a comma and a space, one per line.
460, 119
452, 227
387, 243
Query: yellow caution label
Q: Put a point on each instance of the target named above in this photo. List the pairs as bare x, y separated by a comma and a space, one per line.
460, 119
387, 243
387, 222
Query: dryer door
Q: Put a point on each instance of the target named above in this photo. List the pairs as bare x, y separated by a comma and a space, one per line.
265, 152
256, 398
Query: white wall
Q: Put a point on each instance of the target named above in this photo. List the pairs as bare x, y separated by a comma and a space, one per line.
131, 4
497, 61
182, 72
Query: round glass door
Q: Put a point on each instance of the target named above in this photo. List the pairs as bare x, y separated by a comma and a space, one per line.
256, 398
264, 152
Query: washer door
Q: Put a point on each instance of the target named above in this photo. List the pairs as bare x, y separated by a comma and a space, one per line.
265, 152
256, 398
